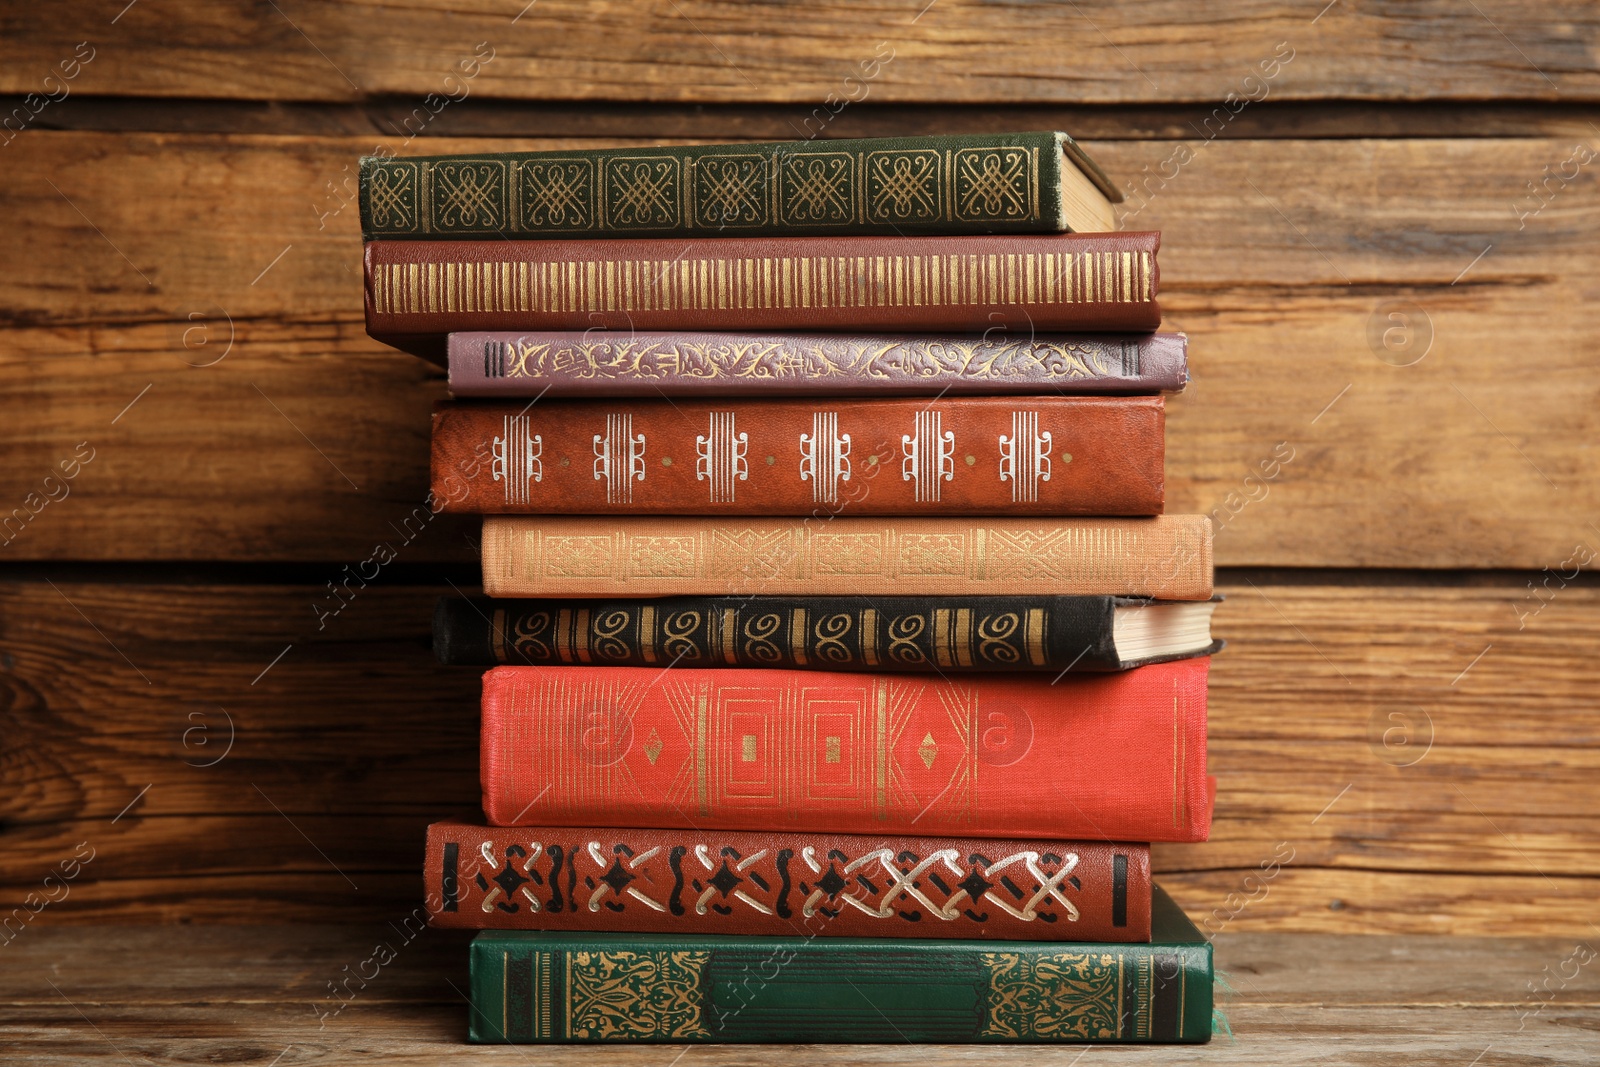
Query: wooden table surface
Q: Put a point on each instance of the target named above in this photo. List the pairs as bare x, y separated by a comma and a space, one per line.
258, 995
1379, 229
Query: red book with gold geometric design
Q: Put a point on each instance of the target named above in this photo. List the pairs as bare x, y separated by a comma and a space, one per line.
1110, 758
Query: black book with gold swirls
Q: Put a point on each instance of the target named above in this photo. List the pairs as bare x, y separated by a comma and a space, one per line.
952, 634
533, 987
1039, 182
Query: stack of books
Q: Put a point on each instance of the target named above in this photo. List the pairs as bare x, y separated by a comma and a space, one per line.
843, 663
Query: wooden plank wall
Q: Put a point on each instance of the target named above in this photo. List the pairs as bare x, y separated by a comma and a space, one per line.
1382, 251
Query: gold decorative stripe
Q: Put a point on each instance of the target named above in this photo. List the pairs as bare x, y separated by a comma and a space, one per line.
701, 726
729, 635
647, 633
797, 637
1034, 636
580, 635
563, 625
542, 1000
1122, 985
1183, 994
881, 764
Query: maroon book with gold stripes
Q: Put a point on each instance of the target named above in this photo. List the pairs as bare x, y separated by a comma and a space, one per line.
1104, 282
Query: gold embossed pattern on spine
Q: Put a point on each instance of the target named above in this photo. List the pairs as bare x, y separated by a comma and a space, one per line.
1167, 557
789, 282
1061, 995
617, 995
666, 360
974, 182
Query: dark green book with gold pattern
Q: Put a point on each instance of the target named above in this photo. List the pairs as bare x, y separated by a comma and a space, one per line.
967, 183
538, 987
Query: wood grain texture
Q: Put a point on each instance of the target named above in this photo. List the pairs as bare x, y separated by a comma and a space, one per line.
306, 441
1282, 259
1387, 790
1270, 118
722, 50
260, 996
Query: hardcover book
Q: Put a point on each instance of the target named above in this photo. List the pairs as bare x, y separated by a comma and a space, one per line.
894, 456
1164, 558
601, 363
965, 183
1110, 757
1059, 282
781, 884
589, 987
947, 634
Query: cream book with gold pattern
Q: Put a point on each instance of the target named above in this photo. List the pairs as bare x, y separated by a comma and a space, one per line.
1167, 557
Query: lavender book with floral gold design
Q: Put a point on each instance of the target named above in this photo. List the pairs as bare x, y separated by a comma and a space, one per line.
611, 363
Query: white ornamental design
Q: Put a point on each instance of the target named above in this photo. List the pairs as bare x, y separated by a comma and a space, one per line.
929, 457
619, 458
825, 457
515, 458
1025, 457
722, 460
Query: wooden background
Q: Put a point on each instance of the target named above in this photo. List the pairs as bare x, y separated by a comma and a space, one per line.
1408, 703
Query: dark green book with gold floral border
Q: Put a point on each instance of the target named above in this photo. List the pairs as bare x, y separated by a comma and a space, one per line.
965, 183
537, 987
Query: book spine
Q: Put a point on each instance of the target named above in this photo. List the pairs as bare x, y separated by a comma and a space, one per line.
892, 456
556, 988
1061, 282
972, 183
559, 364
1166, 558
1117, 757
946, 634
785, 885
